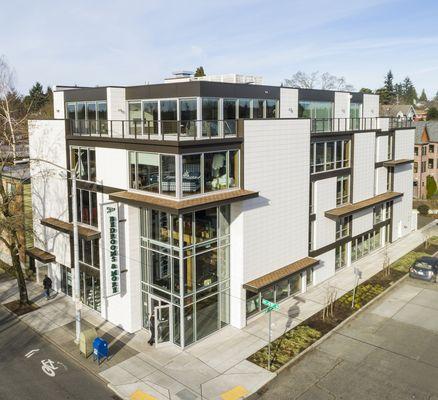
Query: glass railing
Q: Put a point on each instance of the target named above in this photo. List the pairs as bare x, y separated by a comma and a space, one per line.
321, 125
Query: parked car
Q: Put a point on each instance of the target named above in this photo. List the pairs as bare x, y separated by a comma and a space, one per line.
425, 268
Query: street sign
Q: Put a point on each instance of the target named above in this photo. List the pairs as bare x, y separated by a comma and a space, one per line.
270, 305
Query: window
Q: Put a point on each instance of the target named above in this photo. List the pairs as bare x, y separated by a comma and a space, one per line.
312, 197
88, 117
415, 167
309, 277
326, 156
210, 116
271, 108
390, 146
321, 113
169, 116
416, 150
229, 116
244, 108
87, 207
431, 148
86, 157
89, 252
390, 178
430, 163
215, 171
387, 211
343, 227
312, 235
342, 190
152, 172
365, 244
378, 214
150, 117
355, 115
341, 256
423, 150
258, 107
191, 174
423, 166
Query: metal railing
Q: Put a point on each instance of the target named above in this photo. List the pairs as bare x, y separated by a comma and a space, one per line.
157, 130
320, 125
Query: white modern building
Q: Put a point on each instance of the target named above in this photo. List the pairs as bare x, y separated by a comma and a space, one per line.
198, 199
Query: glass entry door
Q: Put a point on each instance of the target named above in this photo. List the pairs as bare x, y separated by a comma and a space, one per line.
162, 324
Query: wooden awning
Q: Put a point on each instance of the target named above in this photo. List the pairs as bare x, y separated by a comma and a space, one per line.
393, 163
181, 206
67, 227
258, 284
361, 205
40, 255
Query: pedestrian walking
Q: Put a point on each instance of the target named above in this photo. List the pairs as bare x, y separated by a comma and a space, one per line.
151, 341
47, 284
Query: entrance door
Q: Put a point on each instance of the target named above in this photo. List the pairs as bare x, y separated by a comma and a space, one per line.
162, 324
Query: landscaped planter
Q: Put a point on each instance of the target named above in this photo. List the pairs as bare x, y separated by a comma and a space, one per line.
315, 327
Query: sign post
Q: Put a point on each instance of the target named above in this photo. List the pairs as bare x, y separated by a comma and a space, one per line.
112, 256
269, 308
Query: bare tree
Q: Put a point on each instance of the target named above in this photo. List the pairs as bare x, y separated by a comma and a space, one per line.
329, 302
386, 265
317, 80
13, 130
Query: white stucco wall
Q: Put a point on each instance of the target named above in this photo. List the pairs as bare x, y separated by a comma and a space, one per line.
342, 109
112, 168
288, 103
267, 232
363, 169
362, 221
49, 186
58, 105
326, 267
381, 148
370, 105
380, 180
404, 144
402, 208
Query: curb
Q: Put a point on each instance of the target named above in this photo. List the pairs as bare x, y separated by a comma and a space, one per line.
297, 358
83, 367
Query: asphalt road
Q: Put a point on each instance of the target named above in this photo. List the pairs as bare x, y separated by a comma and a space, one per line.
32, 368
389, 351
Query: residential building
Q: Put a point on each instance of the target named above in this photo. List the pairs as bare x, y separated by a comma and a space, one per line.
398, 111
425, 155
198, 199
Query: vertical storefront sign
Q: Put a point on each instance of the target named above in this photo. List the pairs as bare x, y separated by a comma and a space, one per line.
112, 256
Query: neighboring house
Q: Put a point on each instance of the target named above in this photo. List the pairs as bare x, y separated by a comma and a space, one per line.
425, 155
16, 180
397, 111
198, 199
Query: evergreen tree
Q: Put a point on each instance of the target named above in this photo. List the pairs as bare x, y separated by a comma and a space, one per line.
423, 96
430, 186
409, 93
388, 85
398, 89
432, 113
199, 72
366, 91
436, 97
36, 99
385, 96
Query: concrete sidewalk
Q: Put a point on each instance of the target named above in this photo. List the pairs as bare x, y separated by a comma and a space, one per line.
208, 369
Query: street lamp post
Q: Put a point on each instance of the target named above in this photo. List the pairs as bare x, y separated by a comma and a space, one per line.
77, 275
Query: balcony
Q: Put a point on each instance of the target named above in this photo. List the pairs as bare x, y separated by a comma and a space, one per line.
323, 125
175, 130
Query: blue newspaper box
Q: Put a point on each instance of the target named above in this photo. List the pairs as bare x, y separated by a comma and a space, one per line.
100, 349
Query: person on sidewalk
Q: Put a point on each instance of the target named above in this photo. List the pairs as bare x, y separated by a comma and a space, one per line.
151, 341
47, 284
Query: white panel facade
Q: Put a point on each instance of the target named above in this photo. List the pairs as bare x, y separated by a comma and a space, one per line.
116, 106
58, 105
267, 232
381, 148
362, 221
363, 168
342, 105
404, 144
288, 103
112, 167
49, 185
326, 267
402, 208
381, 178
324, 199
370, 105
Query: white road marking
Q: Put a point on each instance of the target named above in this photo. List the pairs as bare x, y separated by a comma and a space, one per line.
31, 353
48, 367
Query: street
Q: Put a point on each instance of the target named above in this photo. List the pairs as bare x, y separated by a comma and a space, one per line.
389, 351
32, 368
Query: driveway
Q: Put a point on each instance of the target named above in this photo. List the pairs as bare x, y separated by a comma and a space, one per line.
389, 351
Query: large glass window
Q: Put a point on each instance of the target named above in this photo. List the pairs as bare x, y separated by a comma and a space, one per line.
191, 174
210, 116
271, 108
355, 115
244, 108
343, 190
169, 116
258, 108
325, 156
150, 117
215, 171
341, 256
168, 175
147, 172
321, 113
343, 227
188, 109
134, 113
233, 169
229, 116
87, 207
86, 157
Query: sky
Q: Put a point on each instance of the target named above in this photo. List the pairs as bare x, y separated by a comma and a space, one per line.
133, 42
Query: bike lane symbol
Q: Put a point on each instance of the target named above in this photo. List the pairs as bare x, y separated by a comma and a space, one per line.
49, 367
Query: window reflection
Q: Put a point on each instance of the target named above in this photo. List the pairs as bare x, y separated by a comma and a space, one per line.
191, 174
215, 171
